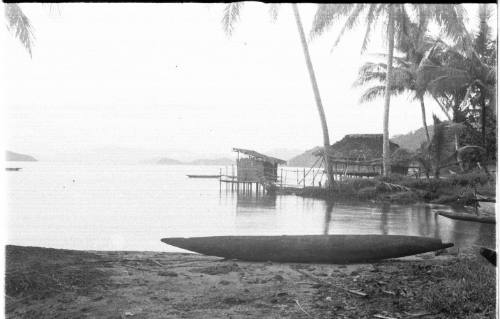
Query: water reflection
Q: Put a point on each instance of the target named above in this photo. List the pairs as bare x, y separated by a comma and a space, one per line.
385, 210
411, 220
328, 217
131, 207
253, 200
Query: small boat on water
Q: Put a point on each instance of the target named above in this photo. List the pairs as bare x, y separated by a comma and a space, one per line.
338, 249
468, 217
203, 176
13, 168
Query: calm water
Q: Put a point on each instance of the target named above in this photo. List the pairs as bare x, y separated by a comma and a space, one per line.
131, 207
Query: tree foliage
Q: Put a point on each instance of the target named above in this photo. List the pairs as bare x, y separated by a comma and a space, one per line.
19, 24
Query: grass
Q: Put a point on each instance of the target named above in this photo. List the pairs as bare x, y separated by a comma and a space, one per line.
40, 273
457, 288
468, 290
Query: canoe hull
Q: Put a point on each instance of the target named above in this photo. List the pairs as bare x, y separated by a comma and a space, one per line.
309, 248
468, 217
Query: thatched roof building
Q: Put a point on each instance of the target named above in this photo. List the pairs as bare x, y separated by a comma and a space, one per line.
257, 167
358, 147
361, 155
259, 156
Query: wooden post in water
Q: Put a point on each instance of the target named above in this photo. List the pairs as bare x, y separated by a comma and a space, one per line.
314, 177
281, 178
232, 177
220, 179
297, 173
304, 180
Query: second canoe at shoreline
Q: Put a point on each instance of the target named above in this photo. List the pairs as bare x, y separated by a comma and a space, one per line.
468, 217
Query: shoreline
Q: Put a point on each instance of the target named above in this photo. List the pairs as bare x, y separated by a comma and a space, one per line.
51, 283
456, 191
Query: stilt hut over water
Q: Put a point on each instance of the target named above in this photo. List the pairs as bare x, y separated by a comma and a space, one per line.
360, 155
256, 167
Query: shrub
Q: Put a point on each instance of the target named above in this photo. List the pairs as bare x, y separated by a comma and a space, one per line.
470, 179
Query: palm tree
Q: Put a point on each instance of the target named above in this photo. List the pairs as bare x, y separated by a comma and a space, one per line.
19, 24
450, 17
413, 43
231, 15
460, 80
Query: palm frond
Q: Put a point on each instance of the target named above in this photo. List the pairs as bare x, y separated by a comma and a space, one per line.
326, 14
368, 72
231, 16
444, 78
483, 35
396, 60
372, 93
20, 25
370, 18
351, 21
452, 18
273, 10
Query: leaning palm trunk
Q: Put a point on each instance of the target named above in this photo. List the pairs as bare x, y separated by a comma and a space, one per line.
319, 104
385, 148
422, 106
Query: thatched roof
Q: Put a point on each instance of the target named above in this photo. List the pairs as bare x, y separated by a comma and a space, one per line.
363, 147
263, 157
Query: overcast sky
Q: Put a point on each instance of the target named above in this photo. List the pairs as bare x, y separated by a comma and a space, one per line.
165, 78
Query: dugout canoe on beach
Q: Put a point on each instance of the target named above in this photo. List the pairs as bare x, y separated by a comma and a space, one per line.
309, 248
468, 217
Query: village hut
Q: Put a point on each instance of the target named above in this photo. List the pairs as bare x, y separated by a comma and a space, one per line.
360, 155
255, 167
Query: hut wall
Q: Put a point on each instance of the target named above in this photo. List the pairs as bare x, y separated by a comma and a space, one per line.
398, 169
252, 170
356, 168
364, 169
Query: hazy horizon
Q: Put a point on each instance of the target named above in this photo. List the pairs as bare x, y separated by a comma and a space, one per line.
165, 78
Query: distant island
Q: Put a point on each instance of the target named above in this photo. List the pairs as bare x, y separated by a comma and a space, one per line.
306, 159
214, 161
168, 161
17, 157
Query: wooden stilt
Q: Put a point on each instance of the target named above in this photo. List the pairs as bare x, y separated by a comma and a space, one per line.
304, 178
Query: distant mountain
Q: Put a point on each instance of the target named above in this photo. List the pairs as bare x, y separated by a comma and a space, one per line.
222, 161
412, 141
283, 153
214, 161
306, 159
11, 156
168, 161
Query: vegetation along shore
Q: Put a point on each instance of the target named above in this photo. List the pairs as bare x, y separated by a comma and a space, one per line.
457, 190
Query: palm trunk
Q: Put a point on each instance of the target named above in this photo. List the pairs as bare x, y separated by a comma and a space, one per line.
424, 121
319, 105
386, 152
483, 121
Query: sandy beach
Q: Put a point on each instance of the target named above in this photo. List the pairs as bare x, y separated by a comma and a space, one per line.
53, 283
